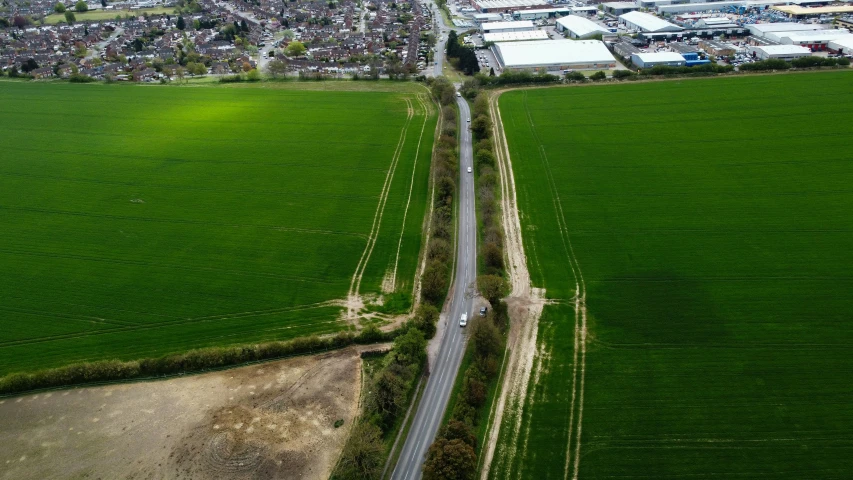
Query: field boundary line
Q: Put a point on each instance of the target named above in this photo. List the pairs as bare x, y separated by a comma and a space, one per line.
168, 376
355, 283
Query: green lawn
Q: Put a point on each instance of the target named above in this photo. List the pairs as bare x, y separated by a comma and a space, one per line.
97, 15
712, 223
140, 220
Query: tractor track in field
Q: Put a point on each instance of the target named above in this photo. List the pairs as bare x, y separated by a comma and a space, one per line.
176, 221
172, 323
522, 340
354, 301
392, 281
525, 302
579, 300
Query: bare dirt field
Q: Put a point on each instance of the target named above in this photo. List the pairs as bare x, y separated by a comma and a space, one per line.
274, 420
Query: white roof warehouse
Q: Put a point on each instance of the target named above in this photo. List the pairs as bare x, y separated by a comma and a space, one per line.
518, 26
515, 36
647, 23
554, 55
579, 27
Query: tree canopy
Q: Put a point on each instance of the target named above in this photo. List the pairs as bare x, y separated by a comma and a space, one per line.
295, 49
450, 460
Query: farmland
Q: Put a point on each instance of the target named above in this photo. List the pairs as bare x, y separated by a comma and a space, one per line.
697, 235
140, 221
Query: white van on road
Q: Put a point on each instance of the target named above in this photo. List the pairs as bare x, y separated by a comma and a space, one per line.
464, 320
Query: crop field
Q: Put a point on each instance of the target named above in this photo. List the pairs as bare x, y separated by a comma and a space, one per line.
140, 221
694, 238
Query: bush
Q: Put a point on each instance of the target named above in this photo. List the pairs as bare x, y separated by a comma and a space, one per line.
701, 70
622, 74
450, 459
231, 79
363, 454
456, 430
575, 77
771, 64
370, 334
597, 76
253, 75
191, 361
425, 319
812, 62
80, 78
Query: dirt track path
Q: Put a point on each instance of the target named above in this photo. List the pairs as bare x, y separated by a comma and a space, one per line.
525, 304
274, 420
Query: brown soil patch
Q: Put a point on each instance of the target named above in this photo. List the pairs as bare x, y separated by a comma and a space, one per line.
274, 420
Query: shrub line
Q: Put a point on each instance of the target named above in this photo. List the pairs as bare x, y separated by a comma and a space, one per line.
202, 360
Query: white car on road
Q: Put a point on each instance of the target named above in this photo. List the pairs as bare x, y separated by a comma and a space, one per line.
464, 320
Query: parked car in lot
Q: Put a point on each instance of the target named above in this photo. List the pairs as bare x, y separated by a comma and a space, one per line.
483, 311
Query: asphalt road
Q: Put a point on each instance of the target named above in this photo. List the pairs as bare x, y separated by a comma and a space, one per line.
443, 371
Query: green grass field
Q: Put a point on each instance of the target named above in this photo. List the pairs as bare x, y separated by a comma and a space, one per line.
140, 221
97, 15
711, 222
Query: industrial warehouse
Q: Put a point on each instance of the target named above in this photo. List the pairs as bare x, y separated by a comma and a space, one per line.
554, 55
577, 28
648, 34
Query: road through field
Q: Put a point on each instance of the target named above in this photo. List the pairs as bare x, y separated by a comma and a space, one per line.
443, 371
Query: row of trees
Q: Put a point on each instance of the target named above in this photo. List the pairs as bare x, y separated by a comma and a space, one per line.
453, 455
388, 394
802, 62
462, 57
472, 87
435, 279
390, 389
80, 7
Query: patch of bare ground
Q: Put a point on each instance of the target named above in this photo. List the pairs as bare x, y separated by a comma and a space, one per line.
273, 420
525, 303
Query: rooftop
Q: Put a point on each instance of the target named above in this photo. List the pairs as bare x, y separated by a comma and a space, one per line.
660, 57
620, 5
515, 36
545, 10
784, 27
581, 26
845, 43
509, 4
797, 10
553, 52
810, 36
784, 49
507, 25
649, 23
